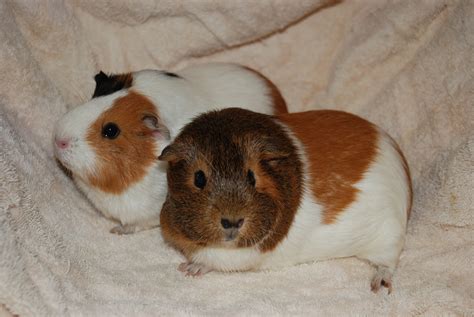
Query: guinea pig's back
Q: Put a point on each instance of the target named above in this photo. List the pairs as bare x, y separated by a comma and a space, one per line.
357, 187
232, 85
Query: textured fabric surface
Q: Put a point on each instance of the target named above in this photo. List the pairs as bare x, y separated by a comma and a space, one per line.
406, 65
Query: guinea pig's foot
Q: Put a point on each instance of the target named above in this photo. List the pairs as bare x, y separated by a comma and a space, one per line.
193, 269
383, 277
124, 229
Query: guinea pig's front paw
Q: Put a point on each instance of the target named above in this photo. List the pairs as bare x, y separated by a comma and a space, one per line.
193, 269
383, 277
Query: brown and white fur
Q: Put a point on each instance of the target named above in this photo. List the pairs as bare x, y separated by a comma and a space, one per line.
121, 175
284, 190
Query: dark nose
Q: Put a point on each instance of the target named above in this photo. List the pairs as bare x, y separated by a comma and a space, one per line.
227, 224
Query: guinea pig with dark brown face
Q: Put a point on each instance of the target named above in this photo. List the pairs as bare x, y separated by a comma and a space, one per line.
249, 191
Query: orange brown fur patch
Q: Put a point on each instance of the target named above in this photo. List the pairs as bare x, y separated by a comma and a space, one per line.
125, 160
279, 103
126, 79
340, 148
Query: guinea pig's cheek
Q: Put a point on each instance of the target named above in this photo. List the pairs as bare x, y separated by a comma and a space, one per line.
191, 230
62, 156
82, 160
249, 234
258, 225
63, 160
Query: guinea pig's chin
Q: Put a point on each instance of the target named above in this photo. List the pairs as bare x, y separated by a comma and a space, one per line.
61, 158
230, 244
67, 165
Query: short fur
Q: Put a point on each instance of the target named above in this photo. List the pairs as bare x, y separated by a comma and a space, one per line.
277, 99
226, 150
349, 147
122, 164
336, 186
119, 176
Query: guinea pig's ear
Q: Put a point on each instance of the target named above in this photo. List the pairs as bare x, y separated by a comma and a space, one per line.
264, 151
169, 154
106, 85
273, 156
100, 77
159, 130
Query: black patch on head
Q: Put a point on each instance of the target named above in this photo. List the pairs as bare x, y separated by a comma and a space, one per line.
170, 74
108, 84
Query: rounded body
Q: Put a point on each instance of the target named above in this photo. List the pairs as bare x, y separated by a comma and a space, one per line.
340, 187
110, 143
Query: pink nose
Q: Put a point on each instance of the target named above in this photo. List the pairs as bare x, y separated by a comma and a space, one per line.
62, 143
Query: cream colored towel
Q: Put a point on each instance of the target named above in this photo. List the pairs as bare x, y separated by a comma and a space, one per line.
406, 65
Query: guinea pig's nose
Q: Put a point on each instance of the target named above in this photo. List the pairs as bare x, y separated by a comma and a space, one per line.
226, 223
62, 143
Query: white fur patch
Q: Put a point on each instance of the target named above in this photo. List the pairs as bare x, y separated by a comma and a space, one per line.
228, 260
136, 205
202, 88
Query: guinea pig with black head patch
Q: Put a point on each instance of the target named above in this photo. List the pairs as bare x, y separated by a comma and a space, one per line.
250, 191
110, 143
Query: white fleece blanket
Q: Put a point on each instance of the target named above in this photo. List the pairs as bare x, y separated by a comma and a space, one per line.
406, 65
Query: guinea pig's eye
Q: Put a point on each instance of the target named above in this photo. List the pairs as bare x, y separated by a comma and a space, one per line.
251, 177
110, 131
200, 179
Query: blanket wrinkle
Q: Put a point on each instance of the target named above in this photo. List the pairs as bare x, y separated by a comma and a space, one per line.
395, 50
405, 65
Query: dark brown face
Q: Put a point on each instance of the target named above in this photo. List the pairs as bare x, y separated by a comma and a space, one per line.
234, 180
